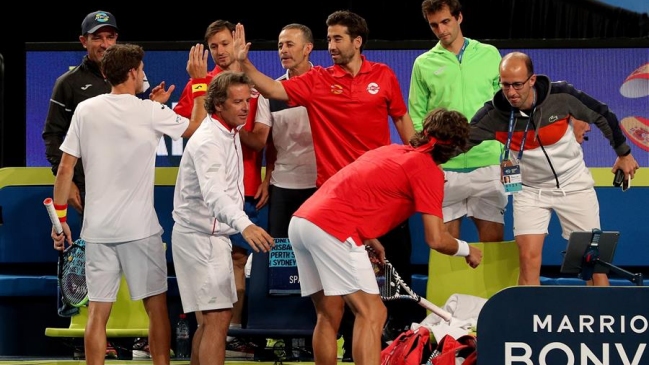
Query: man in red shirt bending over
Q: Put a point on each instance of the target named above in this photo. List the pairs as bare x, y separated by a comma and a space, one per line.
362, 201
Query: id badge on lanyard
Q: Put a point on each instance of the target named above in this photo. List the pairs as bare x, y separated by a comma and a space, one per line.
512, 178
510, 166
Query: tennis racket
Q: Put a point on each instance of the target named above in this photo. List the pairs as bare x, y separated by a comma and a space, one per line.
392, 287
71, 270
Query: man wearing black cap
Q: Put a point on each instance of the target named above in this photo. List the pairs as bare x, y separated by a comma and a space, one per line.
98, 32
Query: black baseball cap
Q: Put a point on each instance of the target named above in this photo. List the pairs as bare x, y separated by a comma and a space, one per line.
96, 20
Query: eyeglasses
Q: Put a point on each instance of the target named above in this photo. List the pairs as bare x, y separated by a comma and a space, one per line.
515, 85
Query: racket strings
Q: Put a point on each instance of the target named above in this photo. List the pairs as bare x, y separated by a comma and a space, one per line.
73, 277
74, 288
390, 287
386, 276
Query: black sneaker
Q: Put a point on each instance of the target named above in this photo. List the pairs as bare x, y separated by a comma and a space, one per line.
141, 348
239, 348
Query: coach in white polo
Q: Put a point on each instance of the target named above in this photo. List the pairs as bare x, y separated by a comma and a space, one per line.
208, 208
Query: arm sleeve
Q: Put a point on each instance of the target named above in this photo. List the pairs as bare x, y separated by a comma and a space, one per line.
300, 88
428, 191
496, 79
396, 105
417, 98
481, 126
211, 173
57, 123
263, 114
588, 109
71, 145
166, 121
186, 102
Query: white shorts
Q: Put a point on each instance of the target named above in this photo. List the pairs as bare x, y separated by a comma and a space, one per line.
576, 210
143, 263
325, 263
478, 193
204, 270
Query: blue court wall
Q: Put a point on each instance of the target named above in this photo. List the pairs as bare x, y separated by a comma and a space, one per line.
24, 232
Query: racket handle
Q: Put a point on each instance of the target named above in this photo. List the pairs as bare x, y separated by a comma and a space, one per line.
435, 309
49, 204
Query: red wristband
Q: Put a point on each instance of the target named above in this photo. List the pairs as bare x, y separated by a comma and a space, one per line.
199, 86
63, 219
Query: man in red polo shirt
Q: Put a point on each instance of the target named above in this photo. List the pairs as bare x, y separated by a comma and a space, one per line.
348, 106
218, 37
348, 103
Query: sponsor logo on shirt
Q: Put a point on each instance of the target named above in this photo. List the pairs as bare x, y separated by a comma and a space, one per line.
373, 88
439, 70
553, 118
86, 87
178, 118
214, 168
336, 89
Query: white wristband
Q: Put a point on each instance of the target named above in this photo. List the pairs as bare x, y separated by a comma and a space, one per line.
462, 248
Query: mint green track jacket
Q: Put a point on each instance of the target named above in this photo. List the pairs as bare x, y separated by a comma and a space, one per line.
439, 80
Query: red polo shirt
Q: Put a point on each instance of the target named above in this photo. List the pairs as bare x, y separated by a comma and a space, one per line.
348, 115
251, 158
377, 192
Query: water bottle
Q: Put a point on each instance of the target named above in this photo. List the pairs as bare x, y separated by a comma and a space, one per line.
183, 345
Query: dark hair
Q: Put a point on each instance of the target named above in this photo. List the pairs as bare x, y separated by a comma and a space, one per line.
529, 65
450, 128
356, 25
218, 26
306, 31
433, 6
217, 92
118, 60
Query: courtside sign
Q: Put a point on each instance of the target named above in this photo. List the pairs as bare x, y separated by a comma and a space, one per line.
565, 325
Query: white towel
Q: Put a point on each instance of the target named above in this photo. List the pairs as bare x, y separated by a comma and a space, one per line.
465, 310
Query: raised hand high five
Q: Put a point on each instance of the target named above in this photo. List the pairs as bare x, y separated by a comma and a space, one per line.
197, 61
240, 46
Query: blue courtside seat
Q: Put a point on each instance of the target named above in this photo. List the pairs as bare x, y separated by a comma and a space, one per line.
275, 316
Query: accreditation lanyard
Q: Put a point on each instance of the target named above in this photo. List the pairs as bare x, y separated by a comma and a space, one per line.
510, 134
461, 54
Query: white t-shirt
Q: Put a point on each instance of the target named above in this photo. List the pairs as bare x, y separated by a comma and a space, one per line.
208, 197
295, 167
117, 136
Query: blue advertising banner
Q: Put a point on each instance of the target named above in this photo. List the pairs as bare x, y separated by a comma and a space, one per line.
562, 325
282, 269
617, 77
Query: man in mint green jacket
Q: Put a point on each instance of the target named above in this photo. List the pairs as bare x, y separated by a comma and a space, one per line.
461, 74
